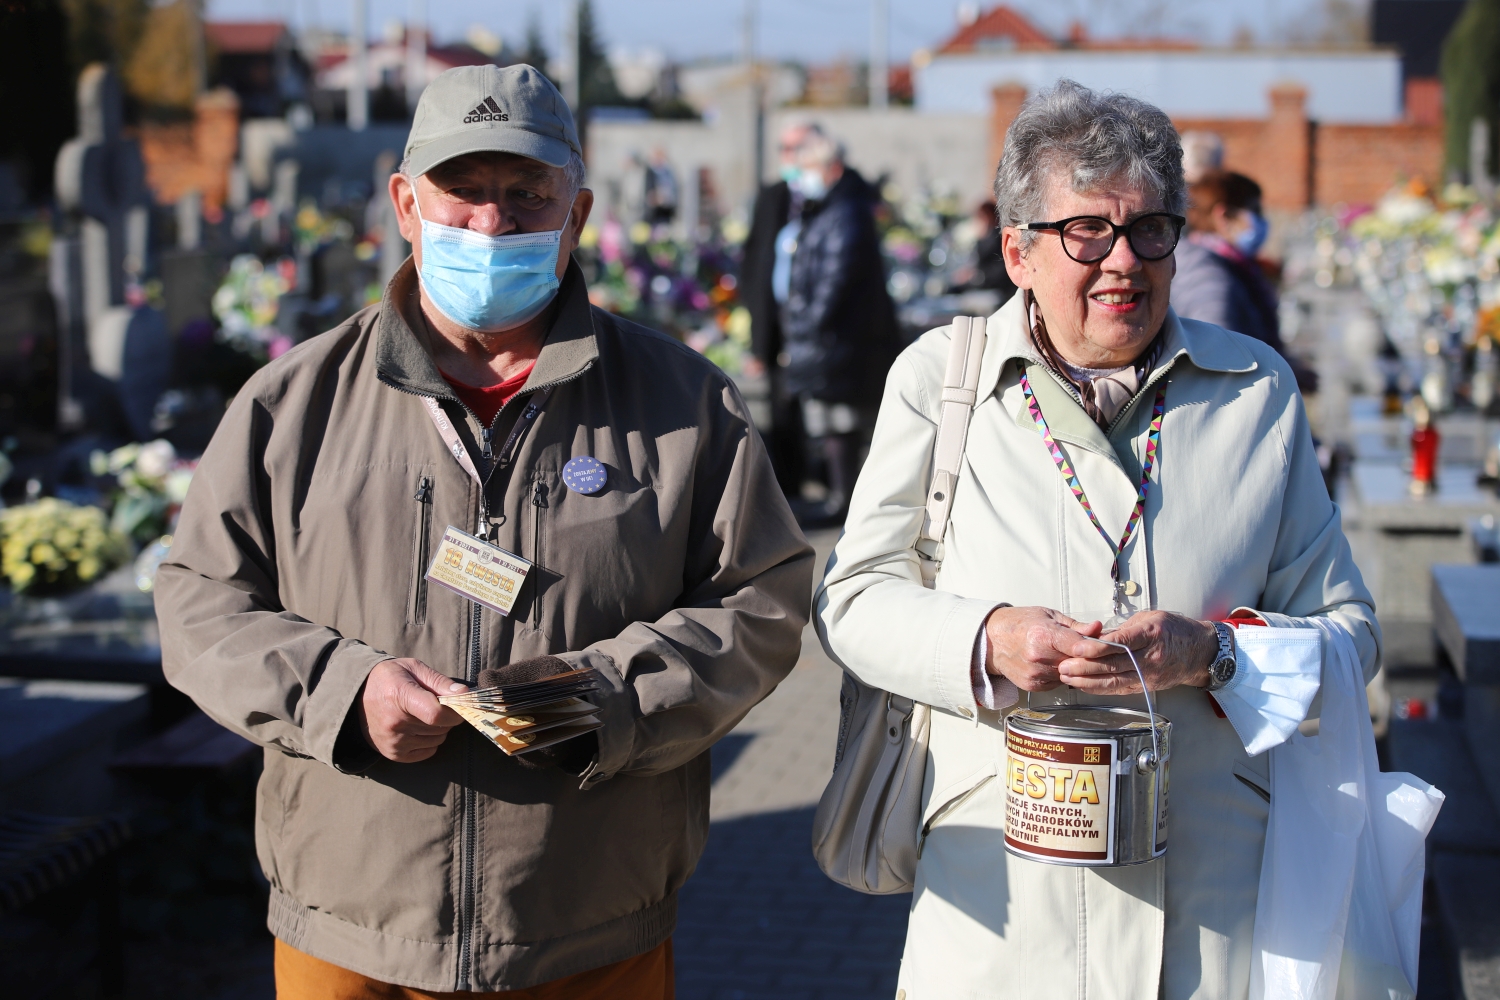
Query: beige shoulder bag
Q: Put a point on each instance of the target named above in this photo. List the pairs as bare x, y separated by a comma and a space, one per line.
865, 832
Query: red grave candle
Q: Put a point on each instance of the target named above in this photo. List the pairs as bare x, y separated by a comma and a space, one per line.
1425, 440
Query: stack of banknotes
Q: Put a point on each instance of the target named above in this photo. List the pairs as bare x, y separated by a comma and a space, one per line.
523, 717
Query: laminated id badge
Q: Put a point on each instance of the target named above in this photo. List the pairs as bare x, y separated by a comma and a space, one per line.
486, 574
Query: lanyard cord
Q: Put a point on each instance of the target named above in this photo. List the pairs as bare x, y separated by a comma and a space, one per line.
1153, 442
460, 454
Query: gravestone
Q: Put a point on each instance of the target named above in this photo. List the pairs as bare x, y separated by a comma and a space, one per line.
100, 185
101, 179
56, 739
190, 220
189, 279
1458, 756
1400, 537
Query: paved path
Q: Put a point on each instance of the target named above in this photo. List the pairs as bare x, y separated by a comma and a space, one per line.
758, 919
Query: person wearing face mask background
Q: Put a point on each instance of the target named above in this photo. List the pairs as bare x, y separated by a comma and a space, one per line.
764, 264
407, 855
837, 319
1218, 280
1219, 277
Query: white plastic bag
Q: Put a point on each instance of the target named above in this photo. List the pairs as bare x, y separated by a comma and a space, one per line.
1339, 912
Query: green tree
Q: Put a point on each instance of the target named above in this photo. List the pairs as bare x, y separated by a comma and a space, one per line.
596, 80
535, 53
104, 30
1471, 78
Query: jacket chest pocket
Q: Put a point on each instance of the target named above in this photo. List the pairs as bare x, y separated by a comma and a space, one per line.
421, 546
599, 561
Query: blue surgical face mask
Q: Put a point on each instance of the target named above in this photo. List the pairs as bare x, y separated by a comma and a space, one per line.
488, 283
811, 184
1252, 239
789, 173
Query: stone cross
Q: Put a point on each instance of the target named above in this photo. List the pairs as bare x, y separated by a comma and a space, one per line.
100, 182
1479, 159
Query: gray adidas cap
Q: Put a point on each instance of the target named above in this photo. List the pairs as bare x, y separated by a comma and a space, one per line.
490, 109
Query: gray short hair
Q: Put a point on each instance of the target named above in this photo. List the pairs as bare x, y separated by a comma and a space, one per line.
820, 149
575, 174
1093, 138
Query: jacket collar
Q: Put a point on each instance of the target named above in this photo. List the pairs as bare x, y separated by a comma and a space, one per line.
403, 353
1208, 347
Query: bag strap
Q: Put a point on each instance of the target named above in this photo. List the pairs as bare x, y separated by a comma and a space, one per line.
960, 391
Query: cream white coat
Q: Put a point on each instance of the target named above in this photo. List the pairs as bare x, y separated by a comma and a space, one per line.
1237, 516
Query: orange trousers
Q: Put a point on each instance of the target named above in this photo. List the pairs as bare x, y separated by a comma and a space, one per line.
648, 976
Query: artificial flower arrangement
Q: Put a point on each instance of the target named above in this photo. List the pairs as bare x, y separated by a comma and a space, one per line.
247, 303
152, 481
52, 546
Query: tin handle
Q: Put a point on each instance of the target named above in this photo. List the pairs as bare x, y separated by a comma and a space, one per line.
1143, 762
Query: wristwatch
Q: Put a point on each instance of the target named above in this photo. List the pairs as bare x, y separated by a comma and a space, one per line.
1221, 671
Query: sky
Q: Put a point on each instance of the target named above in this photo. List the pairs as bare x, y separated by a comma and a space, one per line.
809, 30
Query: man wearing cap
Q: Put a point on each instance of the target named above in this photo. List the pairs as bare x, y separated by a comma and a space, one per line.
407, 855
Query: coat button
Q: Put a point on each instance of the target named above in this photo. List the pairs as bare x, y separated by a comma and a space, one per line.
900, 995
967, 713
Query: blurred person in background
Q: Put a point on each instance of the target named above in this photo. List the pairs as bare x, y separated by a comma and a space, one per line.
838, 321
987, 269
1202, 155
661, 190
408, 857
1218, 278
764, 274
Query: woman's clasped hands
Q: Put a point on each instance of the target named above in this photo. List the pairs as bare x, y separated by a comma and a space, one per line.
1038, 649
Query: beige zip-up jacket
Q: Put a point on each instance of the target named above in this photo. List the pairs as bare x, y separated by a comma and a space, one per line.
1237, 516
298, 564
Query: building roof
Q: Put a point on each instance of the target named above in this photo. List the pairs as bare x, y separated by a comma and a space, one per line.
1002, 29
333, 71
244, 36
998, 28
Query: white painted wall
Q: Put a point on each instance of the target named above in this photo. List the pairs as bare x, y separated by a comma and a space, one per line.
1343, 87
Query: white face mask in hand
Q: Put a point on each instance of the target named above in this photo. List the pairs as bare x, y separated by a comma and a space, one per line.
1279, 671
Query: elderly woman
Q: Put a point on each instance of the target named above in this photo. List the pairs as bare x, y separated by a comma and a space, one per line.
1088, 385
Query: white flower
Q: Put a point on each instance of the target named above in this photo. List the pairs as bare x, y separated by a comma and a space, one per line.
156, 459
176, 486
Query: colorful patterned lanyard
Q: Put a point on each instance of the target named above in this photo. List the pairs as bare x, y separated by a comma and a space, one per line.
1153, 442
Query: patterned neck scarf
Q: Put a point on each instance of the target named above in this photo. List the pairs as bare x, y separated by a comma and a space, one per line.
1104, 391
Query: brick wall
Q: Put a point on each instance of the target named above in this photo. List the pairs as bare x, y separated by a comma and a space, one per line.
1250, 147
1296, 162
1005, 104
1356, 164
197, 155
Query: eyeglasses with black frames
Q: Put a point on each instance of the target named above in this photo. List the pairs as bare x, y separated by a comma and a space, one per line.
1089, 239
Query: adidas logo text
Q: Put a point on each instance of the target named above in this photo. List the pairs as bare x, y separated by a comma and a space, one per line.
489, 111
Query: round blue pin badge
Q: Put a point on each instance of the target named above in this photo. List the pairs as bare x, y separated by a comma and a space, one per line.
584, 474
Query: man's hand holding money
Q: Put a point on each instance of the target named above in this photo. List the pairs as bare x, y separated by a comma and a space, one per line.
399, 712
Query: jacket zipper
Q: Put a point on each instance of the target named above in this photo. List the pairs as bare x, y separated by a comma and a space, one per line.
468, 799
421, 542
468, 819
538, 504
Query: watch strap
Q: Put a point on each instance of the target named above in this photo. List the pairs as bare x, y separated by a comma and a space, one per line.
1225, 664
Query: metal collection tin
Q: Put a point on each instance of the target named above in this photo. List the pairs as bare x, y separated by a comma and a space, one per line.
1083, 785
